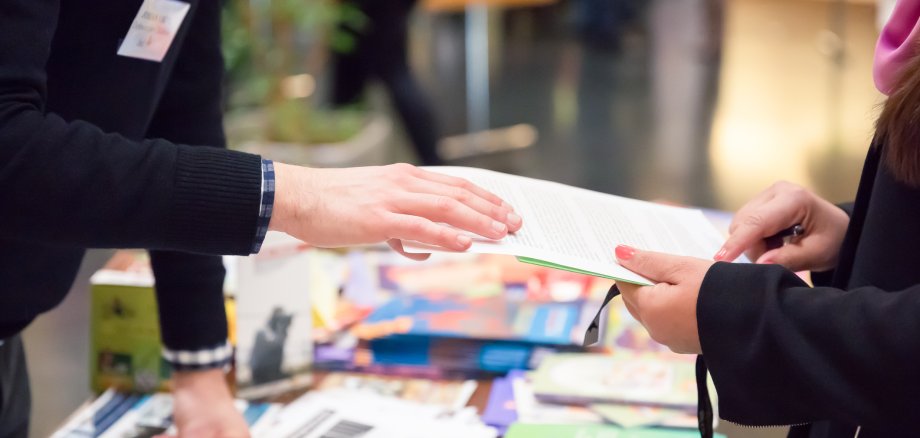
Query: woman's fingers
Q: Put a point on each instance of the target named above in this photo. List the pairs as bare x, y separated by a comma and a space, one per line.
795, 256
761, 222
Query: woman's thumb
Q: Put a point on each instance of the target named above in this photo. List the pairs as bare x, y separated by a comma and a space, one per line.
791, 257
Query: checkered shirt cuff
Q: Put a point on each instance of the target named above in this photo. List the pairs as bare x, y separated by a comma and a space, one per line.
209, 358
266, 204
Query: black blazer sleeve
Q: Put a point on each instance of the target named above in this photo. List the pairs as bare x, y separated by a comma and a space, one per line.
190, 286
783, 353
824, 278
70, 184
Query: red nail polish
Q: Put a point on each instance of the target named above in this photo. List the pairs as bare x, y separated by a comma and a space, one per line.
625, 252
720, 255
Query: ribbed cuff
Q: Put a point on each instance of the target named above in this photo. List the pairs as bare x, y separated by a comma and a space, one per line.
190, 360
216, 201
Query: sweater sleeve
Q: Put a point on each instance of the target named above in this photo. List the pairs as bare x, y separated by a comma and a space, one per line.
783, 353
189, 286
71, 184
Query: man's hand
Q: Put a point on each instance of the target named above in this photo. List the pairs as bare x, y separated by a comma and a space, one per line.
204, 407
365, 205
667, 309
777, 208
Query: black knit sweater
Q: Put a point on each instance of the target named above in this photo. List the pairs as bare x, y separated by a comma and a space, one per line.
96, 152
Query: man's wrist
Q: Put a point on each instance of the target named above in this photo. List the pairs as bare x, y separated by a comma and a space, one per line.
191, 380
293, 197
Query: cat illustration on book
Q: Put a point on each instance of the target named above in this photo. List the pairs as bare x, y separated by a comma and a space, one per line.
268, 348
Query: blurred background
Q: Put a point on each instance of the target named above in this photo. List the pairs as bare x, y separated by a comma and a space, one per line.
700, 102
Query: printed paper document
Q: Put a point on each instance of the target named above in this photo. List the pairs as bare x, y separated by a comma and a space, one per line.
576, 229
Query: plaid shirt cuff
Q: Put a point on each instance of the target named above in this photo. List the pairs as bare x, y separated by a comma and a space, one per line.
266, 204
188, 360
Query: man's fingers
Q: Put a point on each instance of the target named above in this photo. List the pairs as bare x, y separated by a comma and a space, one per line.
448, 210
397, 246
502, 213
655, 266
409, 227
463, 184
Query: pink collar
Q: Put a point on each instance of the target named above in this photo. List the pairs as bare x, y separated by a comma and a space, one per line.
897, 43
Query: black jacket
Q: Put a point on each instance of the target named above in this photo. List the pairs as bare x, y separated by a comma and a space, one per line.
835, 357
94, 152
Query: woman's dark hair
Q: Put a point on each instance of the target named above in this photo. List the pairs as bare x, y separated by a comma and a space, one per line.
898, 126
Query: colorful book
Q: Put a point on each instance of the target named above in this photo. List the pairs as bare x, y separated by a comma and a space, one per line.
450, 394
621, 377
501, 410
521, 430
125, 346
488, 318
274, 321
490, 334
117, 414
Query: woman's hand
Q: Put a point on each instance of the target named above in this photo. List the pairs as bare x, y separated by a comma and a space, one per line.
777, 208
364, 205
667, 309
204, 408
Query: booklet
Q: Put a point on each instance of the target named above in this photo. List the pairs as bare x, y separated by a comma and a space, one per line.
621, 377
577, 230
522, 430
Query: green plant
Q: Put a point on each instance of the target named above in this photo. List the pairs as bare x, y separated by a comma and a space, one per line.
269, 45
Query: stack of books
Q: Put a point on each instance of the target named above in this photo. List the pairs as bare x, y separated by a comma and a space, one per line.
463, 316
625, 390
118, 415
339, 412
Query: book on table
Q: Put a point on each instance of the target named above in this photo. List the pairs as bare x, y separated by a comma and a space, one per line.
577, 230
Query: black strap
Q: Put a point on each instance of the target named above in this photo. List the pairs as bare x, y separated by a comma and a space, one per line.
703, 403
593, 334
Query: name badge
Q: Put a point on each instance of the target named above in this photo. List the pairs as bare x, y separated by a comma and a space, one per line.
154, 29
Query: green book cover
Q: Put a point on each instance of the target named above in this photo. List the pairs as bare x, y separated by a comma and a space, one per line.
125, 351
519, 430
552, 265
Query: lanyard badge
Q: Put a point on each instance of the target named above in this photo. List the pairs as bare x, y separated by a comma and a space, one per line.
154, 29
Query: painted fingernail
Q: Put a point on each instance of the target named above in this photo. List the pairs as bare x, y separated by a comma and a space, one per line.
499, 227
464, 241
720, 255
767, 262
514, 219
625, 252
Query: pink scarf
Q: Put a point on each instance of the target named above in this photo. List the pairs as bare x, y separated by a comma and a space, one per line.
898, 42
